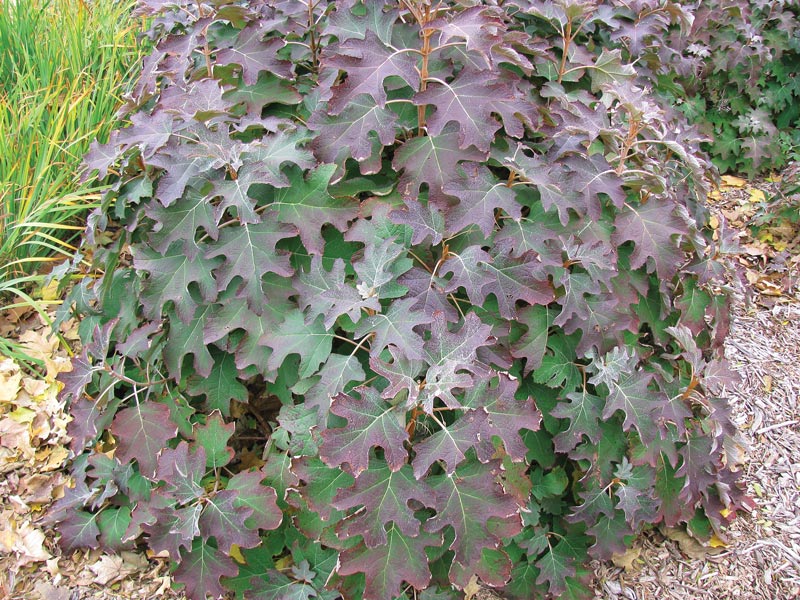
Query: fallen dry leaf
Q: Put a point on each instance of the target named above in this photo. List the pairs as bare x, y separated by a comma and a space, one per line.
10, 379
689, 545
627, 559
48, 591
733, 182
111, 568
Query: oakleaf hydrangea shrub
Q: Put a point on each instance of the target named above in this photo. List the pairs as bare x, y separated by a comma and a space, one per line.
397, 296
742, 84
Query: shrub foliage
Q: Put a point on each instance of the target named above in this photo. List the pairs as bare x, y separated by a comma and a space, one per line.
740, 81
445, 261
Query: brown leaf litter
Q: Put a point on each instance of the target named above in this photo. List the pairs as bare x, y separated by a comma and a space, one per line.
760, 562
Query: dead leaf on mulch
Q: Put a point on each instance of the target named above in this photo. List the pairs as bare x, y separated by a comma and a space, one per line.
33, 436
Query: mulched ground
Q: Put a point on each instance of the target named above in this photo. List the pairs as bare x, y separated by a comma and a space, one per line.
761, 561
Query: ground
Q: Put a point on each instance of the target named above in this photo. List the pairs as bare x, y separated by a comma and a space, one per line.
759, 560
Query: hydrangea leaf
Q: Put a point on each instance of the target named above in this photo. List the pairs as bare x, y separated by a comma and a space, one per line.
214, 437
533, 343
308, 206
181, 221
558, 368
453, 359
451, 443
181, 169
182, 469
507, 414
321, 484
395, 327
555, 565
248, 252
432, 159
368, 63
583, 410
385, 496
276, 150
371, 421
345, 24
261, 499
354, 132
113, 523
480, 195
189, 339
254, 55
651, 228
631, 394
337, 372
172, 528
142, 431
278, 586
466, 501
222, 384
386, 567
79, 530
403, 375
200, 569
224, 521
467, 101
294, 336
379, 266
170, 275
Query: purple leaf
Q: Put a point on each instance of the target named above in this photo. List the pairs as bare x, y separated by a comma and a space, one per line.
466, 501
254, 55
480, 194
182, 471
451, 443
371, 421
384, 495
651, 228
223, 520
368, 63
432, 160
142, 432
201, 568
386, 567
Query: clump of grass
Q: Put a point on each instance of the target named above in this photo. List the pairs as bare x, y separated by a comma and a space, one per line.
64, 65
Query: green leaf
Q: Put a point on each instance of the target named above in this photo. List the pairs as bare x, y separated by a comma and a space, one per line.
555, 566
221, 385
259, 498
311, 341
113, 523
608, 69
171, 274
188, 339
258, 564
213, 437
308, 206
559, 369
533, 343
